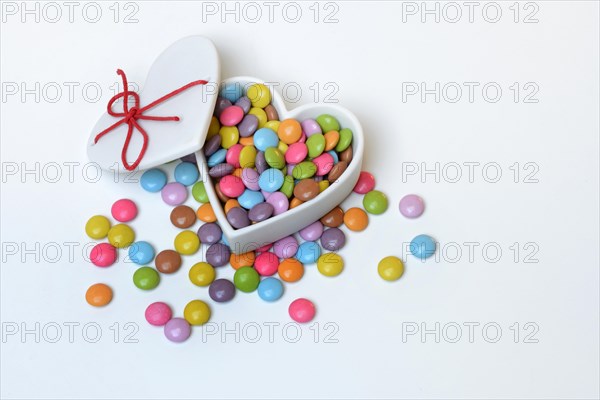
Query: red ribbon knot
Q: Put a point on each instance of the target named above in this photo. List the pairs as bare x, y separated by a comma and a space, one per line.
130, 116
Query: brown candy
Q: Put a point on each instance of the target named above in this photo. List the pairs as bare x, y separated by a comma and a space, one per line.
183, 217
306, 190
337, 171
346, 155
333, 218
168, 261
271, 113
220, 194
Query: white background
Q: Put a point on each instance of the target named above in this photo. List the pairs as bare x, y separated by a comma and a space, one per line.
370, 54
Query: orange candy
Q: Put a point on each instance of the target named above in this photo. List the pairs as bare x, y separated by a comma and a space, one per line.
290, 270
237, 172
295, 203
205, 213
331, 140
289, 131
99, 295
242, 260
247, 141
356, 219
230, 204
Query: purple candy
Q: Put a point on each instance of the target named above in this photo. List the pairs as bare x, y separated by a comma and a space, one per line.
260, 212
210, 233
220, 170
290, 168
266, 194
279, 201
250, 178
333, 239
212, 145
177, 330
244, 103
238, 217
222, 104
189, 158
217, 255
221, 290
312, 232
286, 247
412, 206
310, 127
174, 193
248, 125
260, 162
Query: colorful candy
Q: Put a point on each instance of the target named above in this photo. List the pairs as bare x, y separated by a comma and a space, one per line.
270, 289
168, 261
153, 180
183, 217
98, 295
411, 206
177, 330
202, 274
97, 227
302, 310
187, 243
174, 193
330, 264
333, 239
390, 268
103, 255
141, 253
196, 312
356, 219
218, 254
246, 279
308, 252
210, 233
121, 236
290, 270
375, 202
366, 183
422, 246
158, 314
146, 278
221, 290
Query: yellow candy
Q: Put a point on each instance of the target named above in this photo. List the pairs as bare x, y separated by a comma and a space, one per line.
259, 95
390, 268
202, 274
274, 124
187, 242
97, 227
196, 312
282, 147
214, 127
324, 184
229, 136
247, 156
330, 264
121, 236
260, 114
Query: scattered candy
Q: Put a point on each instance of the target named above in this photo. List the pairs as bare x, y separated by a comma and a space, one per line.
333, 239
146, 278
177, 330
308, 252
121, 236
242, 260
168, 261
290, 270
97, 227
187, 243
196, 312
183, 217
174, 193
411, 206
221, 290
199, 192
270, 289
312, 232
98, 295
422, 246
158, 314
246, 279
141, 253
153, 180
210, 233
124, 210
390, 268
356, 219
330, 264
366, 183
202, 274
375, 202
205, 213
333, 218
302, 310
103, 255
218, 255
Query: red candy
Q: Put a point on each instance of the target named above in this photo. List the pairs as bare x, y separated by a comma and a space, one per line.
103, 255
366, 183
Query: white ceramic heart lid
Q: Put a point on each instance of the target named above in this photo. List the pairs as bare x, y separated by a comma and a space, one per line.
192, 65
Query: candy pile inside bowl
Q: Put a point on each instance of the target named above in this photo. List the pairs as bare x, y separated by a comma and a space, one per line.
261, 166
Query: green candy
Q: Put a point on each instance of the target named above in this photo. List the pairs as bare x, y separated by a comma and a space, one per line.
199, 192
246, 279
288, 186
316, 145
305, 169
375, 202
146, 278
247, 156
328, 123
345, 140
274, 157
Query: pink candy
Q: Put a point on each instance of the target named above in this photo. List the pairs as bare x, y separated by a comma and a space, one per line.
231, 116
124, 210
231, 186
324, 163
158, 314
302, 310
233, 155
266, 263
103, 255
366, 183
296, 153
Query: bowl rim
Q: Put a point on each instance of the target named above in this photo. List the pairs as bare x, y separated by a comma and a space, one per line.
279, 104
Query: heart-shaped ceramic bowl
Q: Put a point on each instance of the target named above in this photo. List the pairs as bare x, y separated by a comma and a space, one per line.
291, 221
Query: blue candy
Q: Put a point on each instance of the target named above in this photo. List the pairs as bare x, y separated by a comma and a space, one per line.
308, 252
186, 173
232, 91
270, 289
271, 180
335, 156
217, 158
141, 253
422, 246
153, 180
265, 137
250, 198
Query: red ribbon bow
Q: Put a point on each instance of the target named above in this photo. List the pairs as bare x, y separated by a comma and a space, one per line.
131, 115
